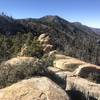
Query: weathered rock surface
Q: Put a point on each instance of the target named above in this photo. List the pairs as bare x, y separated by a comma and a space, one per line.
61, 56
60, 73
52, 53
48, 48
41, 37
85, 69
89, 89
44, 39
59, 76
88, 71
40, 88
66, 62
20, 60
76, 73
54, 69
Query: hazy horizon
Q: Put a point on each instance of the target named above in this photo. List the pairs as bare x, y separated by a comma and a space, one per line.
84, 11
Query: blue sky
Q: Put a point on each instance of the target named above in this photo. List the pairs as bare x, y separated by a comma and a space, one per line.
85, 11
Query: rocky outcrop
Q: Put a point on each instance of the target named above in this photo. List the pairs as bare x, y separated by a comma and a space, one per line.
20, 60
85, 69
40, 88
59, 73
69, 73
48, 48
52, 53
61, 56
59, 76
87, 88
79, 76
66, 63
46, 43
88, 71
84, 80
44, 39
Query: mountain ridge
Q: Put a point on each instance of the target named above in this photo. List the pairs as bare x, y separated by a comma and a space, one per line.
74, 40
48, 18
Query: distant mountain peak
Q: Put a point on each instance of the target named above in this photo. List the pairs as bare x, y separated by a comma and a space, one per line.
77, 23
51, 18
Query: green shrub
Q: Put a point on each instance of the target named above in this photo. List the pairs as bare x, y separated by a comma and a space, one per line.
10, 46
10, 74
48, 60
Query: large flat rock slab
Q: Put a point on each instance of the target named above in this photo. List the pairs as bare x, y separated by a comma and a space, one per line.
20, 60
66, 63
37, 88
